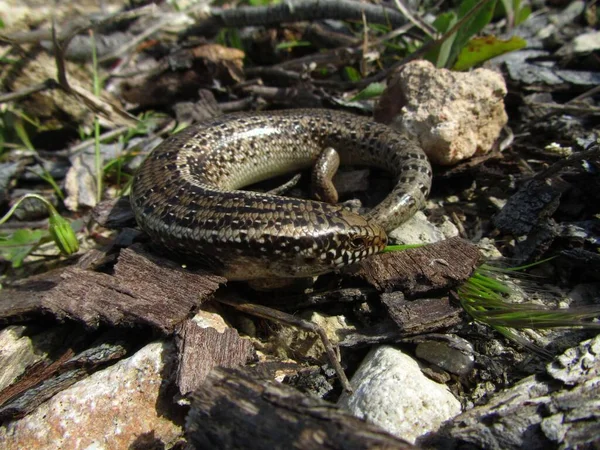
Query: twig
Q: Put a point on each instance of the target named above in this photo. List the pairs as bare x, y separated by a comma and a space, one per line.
285, 187
274, 72
589, 93
392, 34
59, 57
278, 316
297, 11
237, 105
343, 54
92, 102
356, 52
17, 224
365, 47
50, 83
571, 108
135, 41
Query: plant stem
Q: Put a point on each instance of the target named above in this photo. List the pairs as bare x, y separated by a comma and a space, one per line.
98, 155
16, 205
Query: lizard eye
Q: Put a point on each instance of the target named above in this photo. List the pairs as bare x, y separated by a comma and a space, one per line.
357, 242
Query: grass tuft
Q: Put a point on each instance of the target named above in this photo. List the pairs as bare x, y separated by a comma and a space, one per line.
486, 297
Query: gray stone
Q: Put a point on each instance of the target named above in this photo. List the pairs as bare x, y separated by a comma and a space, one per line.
451, 353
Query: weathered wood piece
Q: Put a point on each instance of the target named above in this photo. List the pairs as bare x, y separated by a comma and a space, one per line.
418, 271
424, 315
203, 346
145, 289
385, 331
24, 299
235, 411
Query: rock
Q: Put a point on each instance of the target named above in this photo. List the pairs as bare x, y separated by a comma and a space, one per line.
17, 353
585, 43
238, 410
521, 68
390, 391
418, 230
487, 248
561, 18
113, 408
577, 362
449, 352
453, 115
80, 180
80, 183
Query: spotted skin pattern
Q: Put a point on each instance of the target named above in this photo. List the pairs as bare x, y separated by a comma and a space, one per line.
186, 193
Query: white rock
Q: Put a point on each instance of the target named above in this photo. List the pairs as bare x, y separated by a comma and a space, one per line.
418, 230
391, 391
586, 43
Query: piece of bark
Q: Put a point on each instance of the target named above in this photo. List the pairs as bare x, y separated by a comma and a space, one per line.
145, 289
23, 300
235, 411
203, 345
425, 315
383, 332
419, 271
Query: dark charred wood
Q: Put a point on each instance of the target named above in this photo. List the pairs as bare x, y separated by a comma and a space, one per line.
422, 315
533, 204
233, 410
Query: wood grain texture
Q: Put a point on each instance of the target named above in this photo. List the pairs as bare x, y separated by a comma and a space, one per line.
202, 348
418, 271
145, 289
